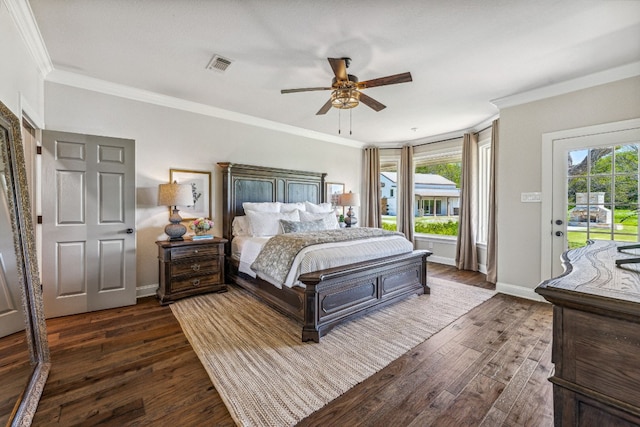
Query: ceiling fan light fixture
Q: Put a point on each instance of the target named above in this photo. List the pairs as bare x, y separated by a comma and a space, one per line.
345, 98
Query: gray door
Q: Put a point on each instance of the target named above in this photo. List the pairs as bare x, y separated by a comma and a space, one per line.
88, 208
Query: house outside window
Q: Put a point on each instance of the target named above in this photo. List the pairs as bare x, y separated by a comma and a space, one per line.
437, 195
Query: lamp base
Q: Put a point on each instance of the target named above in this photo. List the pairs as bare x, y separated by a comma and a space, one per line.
350, 219
175, 230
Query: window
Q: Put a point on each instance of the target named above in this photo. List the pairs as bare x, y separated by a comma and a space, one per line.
388, 200
484, 174
436, 194
602, 194
437, 172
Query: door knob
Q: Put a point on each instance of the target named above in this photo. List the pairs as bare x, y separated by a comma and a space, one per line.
559, 233
129, 230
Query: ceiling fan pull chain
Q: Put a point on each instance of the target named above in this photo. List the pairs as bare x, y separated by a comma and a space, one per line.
350, 111
339, 121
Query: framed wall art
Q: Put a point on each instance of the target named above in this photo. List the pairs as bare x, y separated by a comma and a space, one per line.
333, 190
200, 182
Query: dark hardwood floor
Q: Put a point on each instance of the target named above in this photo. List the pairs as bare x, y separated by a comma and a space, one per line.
133, 366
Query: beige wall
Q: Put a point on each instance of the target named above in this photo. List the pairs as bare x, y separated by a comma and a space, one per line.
167, 138
520, 165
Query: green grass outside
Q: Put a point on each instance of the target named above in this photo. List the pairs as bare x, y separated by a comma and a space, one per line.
443, 225
626, 222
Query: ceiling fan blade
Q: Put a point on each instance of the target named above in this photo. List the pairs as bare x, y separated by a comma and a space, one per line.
339, 67
370, 102
389, 80
326, 107
304, 89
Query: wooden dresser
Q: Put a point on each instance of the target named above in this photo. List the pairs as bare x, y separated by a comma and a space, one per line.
190, 267
596, 337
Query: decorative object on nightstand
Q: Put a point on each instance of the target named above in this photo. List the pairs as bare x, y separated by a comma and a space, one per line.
175, 195
202, 227
350, 199
341, 222
190, 267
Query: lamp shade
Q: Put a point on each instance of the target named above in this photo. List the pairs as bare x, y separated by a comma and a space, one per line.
175, 195
349, 199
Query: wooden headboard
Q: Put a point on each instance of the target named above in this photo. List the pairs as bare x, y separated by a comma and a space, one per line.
246, 183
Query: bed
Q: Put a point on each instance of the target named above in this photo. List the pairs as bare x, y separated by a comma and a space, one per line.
330, 296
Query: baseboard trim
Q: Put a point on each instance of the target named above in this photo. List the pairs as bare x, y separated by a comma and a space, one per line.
441, 260
518, 291
146, 291
450, 261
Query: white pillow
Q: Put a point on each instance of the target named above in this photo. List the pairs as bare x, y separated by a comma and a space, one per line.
268, 223
261, 207
288, 207
241, 226
321, 208
329, 219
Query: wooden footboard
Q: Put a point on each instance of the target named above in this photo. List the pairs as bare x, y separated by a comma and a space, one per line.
339, 294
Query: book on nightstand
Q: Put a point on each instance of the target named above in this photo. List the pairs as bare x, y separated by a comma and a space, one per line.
202, 237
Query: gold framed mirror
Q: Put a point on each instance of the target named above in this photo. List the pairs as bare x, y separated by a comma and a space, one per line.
16, 205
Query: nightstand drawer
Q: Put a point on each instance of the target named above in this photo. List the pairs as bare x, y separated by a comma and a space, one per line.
196, 282
197, 266
194, 251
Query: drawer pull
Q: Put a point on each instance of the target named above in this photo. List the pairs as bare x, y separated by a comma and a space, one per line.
195, 282
195, 267
195, 251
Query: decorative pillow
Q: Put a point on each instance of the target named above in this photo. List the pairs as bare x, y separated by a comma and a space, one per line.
328, 218
261, 207
268, 223
301, 227
241, 226
288, 207
321, 208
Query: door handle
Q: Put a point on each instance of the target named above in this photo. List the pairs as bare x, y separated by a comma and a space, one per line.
558, 222
559, 233
129, 230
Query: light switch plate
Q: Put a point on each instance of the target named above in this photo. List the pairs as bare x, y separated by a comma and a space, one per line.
535, 197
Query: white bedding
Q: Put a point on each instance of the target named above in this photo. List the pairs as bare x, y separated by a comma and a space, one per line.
321, 256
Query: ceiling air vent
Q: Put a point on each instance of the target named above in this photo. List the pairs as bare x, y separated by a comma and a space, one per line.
218, 63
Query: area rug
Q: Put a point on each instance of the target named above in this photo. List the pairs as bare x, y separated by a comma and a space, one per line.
267, 377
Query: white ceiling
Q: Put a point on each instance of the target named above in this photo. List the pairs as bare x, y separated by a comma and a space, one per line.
462, 54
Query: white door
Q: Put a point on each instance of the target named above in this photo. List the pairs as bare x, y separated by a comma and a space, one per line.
593, 189
11, 311
88, 209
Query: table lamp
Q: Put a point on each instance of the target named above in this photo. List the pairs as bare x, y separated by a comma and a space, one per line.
349, 199
175, 195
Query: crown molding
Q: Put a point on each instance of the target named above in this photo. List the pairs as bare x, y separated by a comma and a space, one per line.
596, 79
101, 86
22, 16
479, 127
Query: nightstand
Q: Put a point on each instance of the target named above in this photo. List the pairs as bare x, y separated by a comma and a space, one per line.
190, 267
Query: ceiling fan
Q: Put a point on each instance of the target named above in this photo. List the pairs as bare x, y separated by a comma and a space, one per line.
347, 90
